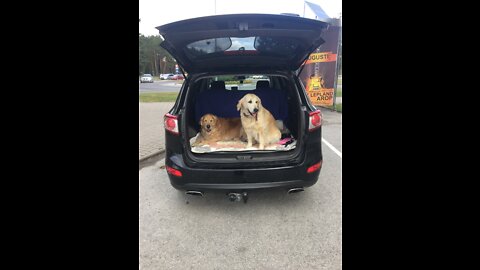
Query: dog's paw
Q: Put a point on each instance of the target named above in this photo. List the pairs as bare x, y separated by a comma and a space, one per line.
197, 143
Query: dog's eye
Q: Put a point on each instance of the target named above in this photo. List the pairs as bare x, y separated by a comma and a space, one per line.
250, 101
256, 101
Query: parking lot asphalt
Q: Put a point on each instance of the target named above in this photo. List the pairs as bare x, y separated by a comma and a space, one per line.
272, 230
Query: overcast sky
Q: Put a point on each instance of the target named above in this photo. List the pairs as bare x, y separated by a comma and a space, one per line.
154, 13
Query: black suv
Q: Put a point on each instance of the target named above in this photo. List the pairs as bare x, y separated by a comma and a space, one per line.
262, 53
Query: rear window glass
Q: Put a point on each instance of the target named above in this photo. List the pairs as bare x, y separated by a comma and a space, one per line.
269, 46
240, 82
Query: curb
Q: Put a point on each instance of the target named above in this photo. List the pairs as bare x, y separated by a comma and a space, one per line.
152, 155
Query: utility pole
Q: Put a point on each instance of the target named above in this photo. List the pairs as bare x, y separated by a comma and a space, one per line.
164, 61
155, 61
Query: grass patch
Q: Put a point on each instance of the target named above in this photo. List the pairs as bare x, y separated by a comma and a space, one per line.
338, 107
339, 92
339, 81
158, 97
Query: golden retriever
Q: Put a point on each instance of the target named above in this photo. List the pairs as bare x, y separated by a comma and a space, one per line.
258, 123
214, 129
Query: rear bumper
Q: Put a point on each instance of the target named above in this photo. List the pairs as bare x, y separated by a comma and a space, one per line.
202, 179
244, 186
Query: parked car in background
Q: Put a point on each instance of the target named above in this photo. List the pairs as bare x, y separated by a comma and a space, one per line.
165, 76
178, 77
146, 78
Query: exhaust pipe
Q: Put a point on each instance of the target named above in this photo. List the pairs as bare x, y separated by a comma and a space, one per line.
295, 190
194, 193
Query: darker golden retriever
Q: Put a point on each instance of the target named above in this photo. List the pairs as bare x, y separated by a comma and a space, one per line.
214, 129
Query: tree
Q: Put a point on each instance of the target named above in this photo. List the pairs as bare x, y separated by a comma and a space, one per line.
340, 57
338, 22
150, 55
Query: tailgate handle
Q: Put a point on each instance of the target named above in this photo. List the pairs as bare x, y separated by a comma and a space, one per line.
244, 157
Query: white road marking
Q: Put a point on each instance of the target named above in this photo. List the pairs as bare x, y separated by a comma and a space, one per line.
332, 147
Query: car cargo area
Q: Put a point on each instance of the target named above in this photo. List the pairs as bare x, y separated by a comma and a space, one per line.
219, 95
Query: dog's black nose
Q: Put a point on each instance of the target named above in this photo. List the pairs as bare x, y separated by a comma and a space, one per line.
208, 126
255, 110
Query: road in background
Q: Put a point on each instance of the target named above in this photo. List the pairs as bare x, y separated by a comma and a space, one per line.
160, 86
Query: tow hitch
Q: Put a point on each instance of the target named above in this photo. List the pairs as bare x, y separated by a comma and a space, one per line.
236, 197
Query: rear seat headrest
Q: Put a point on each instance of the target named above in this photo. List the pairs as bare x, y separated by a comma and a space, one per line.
217, 85
263, 84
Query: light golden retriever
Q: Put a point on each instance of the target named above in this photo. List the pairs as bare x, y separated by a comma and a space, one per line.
258, 123
214, 129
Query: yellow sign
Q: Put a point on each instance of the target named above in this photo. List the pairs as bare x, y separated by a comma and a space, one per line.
318, 94
322, 97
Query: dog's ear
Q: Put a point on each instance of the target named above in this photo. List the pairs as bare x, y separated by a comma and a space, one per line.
201, 120
239, 104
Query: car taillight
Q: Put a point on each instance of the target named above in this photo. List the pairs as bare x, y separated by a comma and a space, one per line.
315, 120
314, 167
173, 171
171, 123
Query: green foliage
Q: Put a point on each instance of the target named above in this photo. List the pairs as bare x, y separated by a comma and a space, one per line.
158, 97
339, 91
340, 57
232, 79
338, 107
150, 56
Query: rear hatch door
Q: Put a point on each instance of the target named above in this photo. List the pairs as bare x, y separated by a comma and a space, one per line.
242, 42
